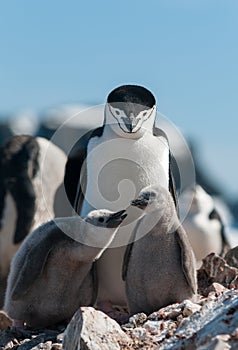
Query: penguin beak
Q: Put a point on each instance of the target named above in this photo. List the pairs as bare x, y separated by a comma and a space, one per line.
140, 203
116, 219
130, 122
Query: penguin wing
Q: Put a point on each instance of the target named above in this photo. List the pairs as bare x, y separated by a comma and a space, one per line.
172, 165
31, 264
75, 170
188, 260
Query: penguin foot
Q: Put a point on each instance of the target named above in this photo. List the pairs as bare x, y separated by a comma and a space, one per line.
117, 313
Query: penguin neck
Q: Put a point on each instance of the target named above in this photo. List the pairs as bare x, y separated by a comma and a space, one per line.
112, 129
85, 233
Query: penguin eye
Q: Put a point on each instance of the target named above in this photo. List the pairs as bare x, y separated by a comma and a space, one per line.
117, 112
147, 196
144, 114
101, 219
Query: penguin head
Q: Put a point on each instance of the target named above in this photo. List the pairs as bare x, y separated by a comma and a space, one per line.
151, 198
202, 202
130, 110
106, 218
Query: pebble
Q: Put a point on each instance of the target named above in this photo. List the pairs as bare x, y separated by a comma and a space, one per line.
190, 308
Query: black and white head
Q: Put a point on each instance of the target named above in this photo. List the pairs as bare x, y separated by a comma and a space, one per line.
151, 198
106, 218
130, 109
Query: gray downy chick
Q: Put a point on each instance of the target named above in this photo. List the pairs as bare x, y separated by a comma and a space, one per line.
51, 275
159, 267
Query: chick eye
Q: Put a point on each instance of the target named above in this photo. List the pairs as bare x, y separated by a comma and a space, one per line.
101, 219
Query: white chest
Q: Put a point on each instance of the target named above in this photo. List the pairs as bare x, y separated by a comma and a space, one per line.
117, 169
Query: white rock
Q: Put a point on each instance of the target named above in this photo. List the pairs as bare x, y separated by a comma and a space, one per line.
139, 333
138, 319
91, 329
169, 312
153, 327
190, 308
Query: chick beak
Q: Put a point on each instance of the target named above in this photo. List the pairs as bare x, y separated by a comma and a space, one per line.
140, 203
116, 219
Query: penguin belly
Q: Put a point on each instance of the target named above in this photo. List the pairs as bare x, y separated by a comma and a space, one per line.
204, 236
117, 170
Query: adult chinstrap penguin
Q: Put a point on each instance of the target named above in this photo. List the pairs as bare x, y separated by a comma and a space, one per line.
51, 274
203, 224
31, 171
159, 266
110, 165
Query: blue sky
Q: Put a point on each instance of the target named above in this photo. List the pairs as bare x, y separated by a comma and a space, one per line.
185, 51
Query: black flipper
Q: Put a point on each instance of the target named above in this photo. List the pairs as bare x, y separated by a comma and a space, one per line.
19, 165
225, 244
172, 188
74, 170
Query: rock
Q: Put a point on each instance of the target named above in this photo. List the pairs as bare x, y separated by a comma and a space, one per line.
217, 343
56, 346
91, 329
42, 341
138, 333
189, 308
215, 269
234, 283
7, 340
231, 257
212, 327
43, 346
217, 288
168, 312
138, 319
153, 327
5, 321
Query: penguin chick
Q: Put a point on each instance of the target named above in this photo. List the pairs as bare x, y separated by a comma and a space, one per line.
51, 275
159, 267
203, 224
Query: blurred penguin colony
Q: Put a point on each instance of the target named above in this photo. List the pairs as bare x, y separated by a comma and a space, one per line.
33, 158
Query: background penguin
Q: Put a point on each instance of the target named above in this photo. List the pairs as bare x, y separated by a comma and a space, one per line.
159, 267
49, 277
113, 163
31, 171
203, 224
